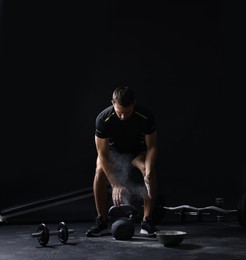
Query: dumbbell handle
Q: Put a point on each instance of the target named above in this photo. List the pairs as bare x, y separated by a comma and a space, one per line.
57, 232
51, 233
37, 234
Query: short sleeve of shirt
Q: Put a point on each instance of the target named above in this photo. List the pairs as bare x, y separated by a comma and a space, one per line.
150, 126
101, 130
102, 119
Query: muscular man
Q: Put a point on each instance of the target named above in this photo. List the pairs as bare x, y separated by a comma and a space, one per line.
124, 130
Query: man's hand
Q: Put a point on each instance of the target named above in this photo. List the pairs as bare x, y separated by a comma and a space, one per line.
117, 194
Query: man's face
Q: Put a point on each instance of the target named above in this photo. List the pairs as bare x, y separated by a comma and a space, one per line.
123, 112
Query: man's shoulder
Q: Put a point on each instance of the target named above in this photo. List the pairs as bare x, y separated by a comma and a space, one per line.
106, 112
143, 110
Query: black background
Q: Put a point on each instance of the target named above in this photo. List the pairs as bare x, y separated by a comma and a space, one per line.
61, 62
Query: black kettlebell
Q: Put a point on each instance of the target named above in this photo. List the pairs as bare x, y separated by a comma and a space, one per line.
123, 229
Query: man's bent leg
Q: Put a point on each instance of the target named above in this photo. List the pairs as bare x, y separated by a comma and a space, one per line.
147, 225
149, 202
100, 187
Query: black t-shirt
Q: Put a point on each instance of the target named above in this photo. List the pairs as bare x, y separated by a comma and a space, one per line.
126, 136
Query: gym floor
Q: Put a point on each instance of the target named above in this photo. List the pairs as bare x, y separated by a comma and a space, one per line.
204, 240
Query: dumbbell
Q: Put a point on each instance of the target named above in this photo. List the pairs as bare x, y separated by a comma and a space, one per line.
43, 234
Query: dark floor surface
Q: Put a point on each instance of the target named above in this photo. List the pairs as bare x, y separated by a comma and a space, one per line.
211, 240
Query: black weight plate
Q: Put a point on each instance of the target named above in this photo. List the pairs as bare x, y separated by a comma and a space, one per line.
63, 234
44, 237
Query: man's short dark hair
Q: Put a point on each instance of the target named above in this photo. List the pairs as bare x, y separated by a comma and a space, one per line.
124, 96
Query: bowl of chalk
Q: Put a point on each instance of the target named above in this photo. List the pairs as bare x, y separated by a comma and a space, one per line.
170, 238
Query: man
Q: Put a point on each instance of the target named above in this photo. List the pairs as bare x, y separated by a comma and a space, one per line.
124, 130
